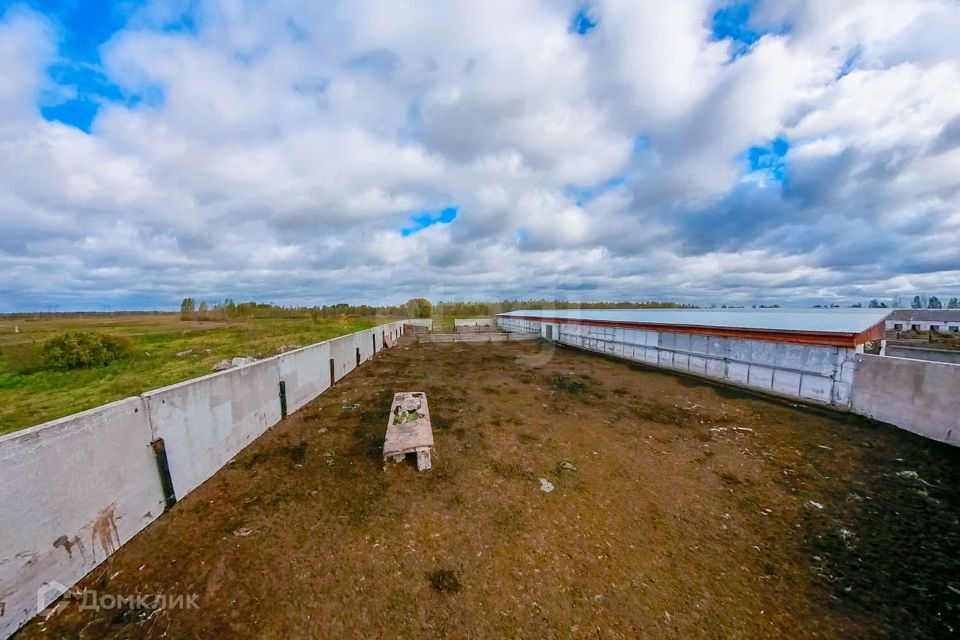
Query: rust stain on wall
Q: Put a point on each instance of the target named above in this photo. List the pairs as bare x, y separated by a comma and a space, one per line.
105, 530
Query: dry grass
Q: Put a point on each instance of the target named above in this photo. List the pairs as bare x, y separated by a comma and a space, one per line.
666, 520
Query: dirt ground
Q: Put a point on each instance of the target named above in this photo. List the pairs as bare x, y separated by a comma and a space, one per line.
681, 509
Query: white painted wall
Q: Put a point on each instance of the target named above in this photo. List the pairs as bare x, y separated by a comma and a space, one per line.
71, 492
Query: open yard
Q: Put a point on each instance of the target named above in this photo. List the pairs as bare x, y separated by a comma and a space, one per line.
681, 509
29, 396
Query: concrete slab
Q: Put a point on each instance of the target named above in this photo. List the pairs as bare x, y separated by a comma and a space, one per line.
71, 492
408, 429
206, 421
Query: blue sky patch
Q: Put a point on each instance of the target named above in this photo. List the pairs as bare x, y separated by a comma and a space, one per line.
583, 195
582, 23
732, 22
770, 159
426, 219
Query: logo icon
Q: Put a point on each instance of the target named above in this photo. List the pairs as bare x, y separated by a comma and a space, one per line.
46, 594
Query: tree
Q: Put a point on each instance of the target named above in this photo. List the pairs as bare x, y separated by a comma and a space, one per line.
230, 307
953, 303
203, 310
419, 308
917, 303
934, 303
187, 307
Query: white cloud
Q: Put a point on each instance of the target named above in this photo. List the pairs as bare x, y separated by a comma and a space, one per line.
275, 150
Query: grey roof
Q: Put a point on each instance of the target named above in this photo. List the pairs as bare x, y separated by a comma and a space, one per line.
926, 315
842, 321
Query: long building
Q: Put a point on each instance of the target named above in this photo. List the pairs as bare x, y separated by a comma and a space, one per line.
805, 354
936, 320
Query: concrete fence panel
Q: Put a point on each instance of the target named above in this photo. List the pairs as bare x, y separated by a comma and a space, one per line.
343, 351
206, 421
915, 395
71, 492
305, 374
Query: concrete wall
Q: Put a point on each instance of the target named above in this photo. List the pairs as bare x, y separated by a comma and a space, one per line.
950, 356
74, 490
915, 395
305, 373
206, 421
812, 372
468, 324
71, 492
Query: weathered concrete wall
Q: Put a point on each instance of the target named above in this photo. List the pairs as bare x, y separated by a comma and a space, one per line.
206, 421
305, 373
921, 353
472, 324
818, 373
71, 492
915, 395
74, 490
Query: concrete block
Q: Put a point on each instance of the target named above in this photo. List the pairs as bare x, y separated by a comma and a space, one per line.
651, 355
790, 356
305, 373
738, 372
786, 382
682, 342
841, 393
698, 364
72, 491
818, 388
717, 347
665, 358
763, 352
820, 360
206, 421
668, 340
761, 377
699, 344
681, 361
739, 350
716, 368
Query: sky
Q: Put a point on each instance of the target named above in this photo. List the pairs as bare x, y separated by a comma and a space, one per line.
369, 151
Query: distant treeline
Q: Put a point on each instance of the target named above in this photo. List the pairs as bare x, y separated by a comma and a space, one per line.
413, 308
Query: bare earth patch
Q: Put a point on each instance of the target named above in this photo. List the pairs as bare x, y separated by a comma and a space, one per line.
680, 510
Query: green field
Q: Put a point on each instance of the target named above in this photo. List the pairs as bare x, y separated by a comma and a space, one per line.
29, 397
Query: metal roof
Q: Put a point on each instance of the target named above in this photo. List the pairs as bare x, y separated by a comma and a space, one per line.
838, 321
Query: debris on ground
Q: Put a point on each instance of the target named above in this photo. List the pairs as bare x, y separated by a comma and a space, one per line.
444, 581
546, 486
349, 406
814, 504
185, 354
243, 532
912, 475
223, 365
567, 465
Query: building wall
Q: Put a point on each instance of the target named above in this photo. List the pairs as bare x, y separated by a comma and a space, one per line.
74, 490
812, 372
923, 325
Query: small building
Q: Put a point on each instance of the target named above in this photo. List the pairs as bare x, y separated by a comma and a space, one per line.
805, 354
935, 320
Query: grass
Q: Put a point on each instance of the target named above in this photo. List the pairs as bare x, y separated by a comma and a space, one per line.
30, 397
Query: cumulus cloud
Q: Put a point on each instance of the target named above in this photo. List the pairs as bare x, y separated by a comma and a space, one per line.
280, 150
